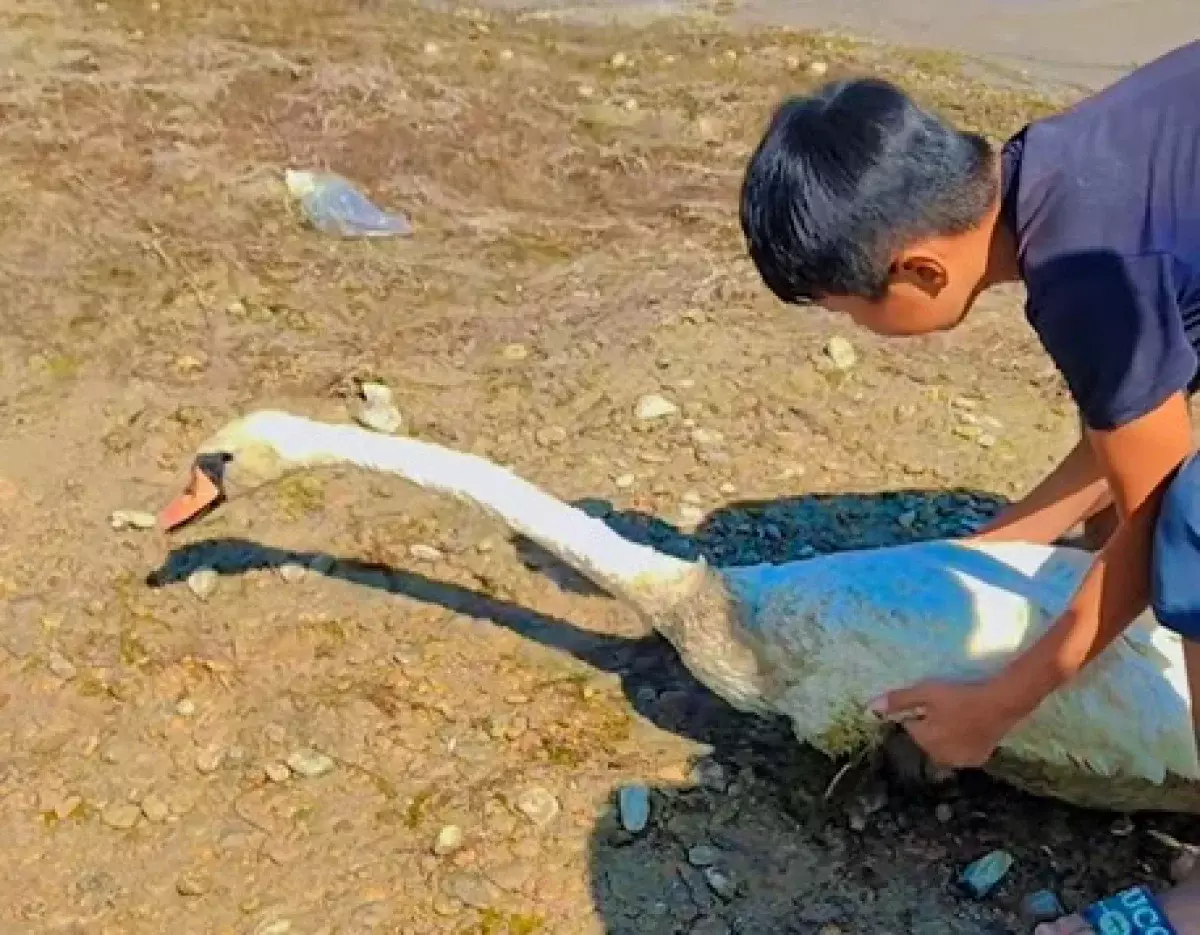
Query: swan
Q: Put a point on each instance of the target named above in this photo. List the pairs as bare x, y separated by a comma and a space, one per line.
812, 640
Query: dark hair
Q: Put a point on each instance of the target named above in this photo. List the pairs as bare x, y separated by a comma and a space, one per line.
846, 178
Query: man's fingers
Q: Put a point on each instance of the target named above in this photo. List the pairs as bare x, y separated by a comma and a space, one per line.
903, 704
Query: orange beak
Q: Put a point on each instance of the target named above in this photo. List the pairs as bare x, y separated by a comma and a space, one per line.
201, 494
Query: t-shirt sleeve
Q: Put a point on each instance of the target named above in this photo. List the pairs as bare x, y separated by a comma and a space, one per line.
1112, 325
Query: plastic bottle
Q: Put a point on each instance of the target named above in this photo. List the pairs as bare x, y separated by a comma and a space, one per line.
334, 206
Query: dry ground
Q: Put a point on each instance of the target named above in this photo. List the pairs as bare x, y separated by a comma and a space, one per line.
156, 283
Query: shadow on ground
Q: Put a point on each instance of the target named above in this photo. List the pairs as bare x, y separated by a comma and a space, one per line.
784, 862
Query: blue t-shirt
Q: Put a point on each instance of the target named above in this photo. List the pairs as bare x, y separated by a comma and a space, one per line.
1105, 202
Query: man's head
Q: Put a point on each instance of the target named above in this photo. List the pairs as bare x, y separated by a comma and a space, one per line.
863, 202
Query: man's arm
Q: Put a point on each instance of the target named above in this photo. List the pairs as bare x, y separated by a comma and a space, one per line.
1066, 496
1139, 460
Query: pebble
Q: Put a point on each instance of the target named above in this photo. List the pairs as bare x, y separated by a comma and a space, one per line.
61, 666
624, 481
841, 353
653, 406
618, 60
132, 519
633, 805
703, 855
121, 816
707, 438
720, 884
203, 582
449, 839
274, 927
1042, 906
375, 409
944, 813
310, 764
291, 572
538, 805
209, 760
424, 553
818, 69
986, 440
981, 877
185, 707
515, 352
192, 885
278, 772
155, 809
691, 514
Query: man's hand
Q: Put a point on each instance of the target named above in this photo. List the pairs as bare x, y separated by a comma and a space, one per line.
957, 724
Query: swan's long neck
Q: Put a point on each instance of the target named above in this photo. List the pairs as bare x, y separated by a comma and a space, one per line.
644, 577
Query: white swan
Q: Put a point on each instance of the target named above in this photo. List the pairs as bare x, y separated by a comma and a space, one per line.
813, 640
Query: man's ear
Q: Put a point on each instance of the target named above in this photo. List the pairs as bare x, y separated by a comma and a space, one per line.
920, 270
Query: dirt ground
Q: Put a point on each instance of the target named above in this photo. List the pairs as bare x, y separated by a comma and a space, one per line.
285, 755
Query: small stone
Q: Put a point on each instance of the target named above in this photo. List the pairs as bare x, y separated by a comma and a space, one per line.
121, 816
424, 553
538, 805
986, 440
61, 666
907, 519
209, 760
155, 809
185, 707
132, 519
981, 877
818, 69
618, 60
515, 352
624, 481
310, 764
707, 438
278, 772
630, 104
840, 353
690, 514
274, 927
291, 572
203, 582
192, 885
944, 813
711, 775
506, 55
793, 62
432, 48
703, 855
654, 406
449, 839
720, 884
376, 410
1122, 827
633, 805
1042, 906
550, 436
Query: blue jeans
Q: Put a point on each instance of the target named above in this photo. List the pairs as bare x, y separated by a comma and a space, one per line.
1175, 561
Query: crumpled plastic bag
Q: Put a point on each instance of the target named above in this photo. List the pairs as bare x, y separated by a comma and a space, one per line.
332, 205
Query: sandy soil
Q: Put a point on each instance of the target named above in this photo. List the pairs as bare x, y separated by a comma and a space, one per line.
283, 755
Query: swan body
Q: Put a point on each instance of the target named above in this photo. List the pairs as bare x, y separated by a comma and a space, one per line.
816, 640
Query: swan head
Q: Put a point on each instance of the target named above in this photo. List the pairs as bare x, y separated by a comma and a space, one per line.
244, 455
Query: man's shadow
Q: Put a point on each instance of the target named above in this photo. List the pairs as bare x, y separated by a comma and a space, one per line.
643, 883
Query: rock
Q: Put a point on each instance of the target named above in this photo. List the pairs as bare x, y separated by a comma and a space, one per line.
840, 353
624, 481
132, 519
986, 440
278, 772
907, 519
550, 436
209, 759
424, 553
720, 884
618, 60
690, 514
653, 406
472, 890
291, 572
633, 806
61, 666
432, 48
981, 877
538, 805
818, 69
1042, 906
944, 813
375, 409
310, 764
203, 582
711, 775
707, 438
449, 839
515, 352
274, 927
121, 816
703, 855
191, 884
185, 707
155, 809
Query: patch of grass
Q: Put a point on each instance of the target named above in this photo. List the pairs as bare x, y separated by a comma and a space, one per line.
300, 495
495, 922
